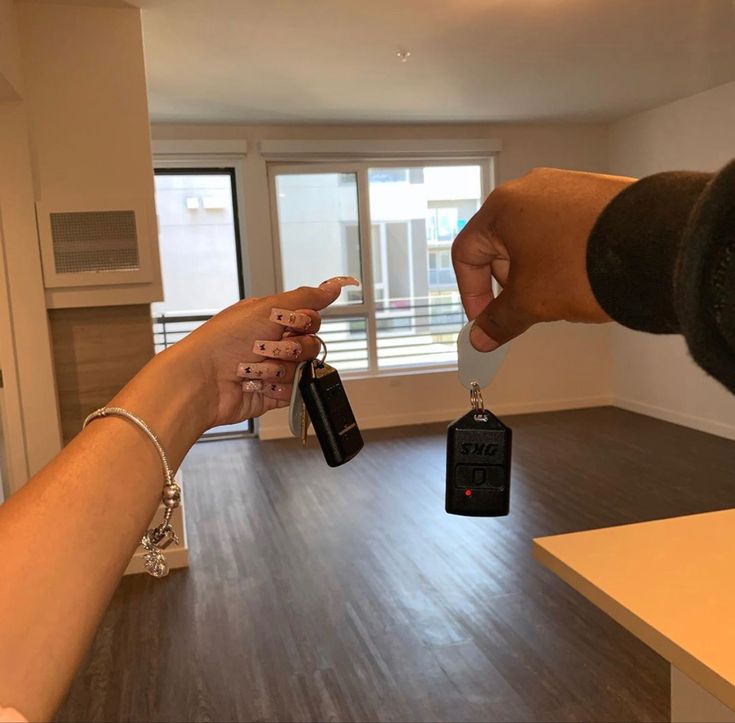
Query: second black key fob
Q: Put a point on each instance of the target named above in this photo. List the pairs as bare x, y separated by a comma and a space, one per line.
330, 412
478, 465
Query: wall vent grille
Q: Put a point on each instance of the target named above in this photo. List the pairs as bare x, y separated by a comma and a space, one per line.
94, 241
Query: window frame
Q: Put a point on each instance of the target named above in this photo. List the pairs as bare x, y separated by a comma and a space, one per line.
220, 170
229, 167
360, 169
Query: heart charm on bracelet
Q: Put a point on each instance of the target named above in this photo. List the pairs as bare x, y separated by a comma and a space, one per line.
153, 542
154, 561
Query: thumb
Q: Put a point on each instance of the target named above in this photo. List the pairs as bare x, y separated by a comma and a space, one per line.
310, 297
499, 322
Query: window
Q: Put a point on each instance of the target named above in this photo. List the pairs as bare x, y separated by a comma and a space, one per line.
392, 226
441, 271
318, 226
200, 254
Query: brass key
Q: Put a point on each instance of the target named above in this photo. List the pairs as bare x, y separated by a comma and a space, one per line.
304, 424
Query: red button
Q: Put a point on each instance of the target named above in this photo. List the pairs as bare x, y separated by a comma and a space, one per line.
468, 493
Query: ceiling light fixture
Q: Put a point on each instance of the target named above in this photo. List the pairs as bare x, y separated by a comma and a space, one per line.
403, 55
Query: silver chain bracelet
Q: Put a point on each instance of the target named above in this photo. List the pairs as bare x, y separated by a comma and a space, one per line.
157, 538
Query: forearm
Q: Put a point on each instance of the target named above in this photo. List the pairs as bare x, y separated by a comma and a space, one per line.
111, 476
661, 259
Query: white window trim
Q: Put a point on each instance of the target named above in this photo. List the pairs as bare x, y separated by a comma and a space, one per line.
309, 162
377, 150
180, 150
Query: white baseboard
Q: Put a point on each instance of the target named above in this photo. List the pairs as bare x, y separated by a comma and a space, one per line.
402, 419
552, 405
711, 426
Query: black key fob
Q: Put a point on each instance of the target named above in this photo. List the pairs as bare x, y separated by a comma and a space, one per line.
330, 412
478, 466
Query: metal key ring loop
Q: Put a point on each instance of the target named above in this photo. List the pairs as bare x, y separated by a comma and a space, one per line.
476, 397
324, 349
477, 402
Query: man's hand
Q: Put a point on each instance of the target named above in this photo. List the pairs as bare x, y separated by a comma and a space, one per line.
531, 236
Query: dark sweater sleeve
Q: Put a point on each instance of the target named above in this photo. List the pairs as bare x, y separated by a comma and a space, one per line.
661, 258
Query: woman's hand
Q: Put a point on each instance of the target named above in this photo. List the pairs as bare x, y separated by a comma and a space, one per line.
111, 471
531, 236
247, 354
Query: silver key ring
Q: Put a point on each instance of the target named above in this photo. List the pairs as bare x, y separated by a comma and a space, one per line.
324, 349
476, 397
477, 402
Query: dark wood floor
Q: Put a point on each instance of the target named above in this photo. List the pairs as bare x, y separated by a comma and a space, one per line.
348, 595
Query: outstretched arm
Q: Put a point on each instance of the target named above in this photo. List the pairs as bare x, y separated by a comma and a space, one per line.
657, 255
67, 536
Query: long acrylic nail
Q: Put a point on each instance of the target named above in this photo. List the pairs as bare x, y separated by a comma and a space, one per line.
252, 386
269, 389
279, 349
260, 370
339, 282
293, 319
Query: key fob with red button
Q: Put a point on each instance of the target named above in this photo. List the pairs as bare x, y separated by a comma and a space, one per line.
478, 465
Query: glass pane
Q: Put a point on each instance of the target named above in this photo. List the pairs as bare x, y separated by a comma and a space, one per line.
346, 340
415, 213
318, 227
196, 230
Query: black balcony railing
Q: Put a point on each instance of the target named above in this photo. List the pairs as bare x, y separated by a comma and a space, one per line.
168, 328
407, 333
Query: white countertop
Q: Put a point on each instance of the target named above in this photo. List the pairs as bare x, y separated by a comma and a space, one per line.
669, 582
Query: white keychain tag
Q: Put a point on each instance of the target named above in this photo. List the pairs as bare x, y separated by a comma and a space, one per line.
476, 368
296, 408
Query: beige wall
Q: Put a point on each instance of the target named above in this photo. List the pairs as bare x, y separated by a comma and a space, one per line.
654, 374
552, 367
88, 111
77, 133
31, 426
10, 76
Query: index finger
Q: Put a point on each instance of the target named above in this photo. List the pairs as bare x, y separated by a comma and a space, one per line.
316, 298
473, 253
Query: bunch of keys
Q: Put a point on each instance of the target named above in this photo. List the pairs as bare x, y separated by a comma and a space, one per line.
319, 398
478, 443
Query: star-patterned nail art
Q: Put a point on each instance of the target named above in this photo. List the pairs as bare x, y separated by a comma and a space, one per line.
278, 349
261, 370
291, 319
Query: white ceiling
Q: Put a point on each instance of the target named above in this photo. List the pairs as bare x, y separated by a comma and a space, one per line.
308, 61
